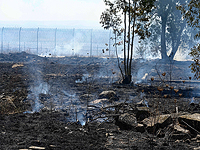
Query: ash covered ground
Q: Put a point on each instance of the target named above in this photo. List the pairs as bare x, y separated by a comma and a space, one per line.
79, 103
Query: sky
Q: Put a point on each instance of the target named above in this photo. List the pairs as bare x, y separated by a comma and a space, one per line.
51, 12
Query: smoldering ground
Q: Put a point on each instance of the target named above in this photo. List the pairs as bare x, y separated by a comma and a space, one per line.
53, 93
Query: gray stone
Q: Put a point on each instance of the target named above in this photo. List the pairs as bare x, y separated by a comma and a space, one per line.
193, 120
36, 147
198, 136
111, 95
140, 127
180, 133
197, 148
141, 103
179, 129
129, 121
152, 124
99, 102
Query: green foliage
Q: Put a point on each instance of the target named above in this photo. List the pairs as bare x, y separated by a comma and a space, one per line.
191, 12
112, 17
127, 18
195, 66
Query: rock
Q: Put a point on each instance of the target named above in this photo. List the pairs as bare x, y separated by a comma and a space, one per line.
111, 95
140, 128
17, 65
128, 119
178, 141
7, 104
192, 120
141, 104
142, 113
129, 122
179, 129
52, 146
180, 133
154, 123
198, 136
197, 148
99, 102
36, 147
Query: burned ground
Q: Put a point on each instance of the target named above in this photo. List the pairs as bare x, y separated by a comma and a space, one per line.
43, 97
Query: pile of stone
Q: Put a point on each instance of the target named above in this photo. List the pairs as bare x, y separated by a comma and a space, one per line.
138, 117
175, 126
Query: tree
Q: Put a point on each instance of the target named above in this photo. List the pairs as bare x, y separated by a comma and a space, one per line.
141, 49
168, 27
191, 12
127, 18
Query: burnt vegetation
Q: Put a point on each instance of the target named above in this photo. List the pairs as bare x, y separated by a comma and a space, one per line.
76, 102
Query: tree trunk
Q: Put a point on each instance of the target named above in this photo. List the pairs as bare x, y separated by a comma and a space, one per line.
175, 45
129, 37
127, 79
118, 57
125, 37
174, 49
163, 39
133, 35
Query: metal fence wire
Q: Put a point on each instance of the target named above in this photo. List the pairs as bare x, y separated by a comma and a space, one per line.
58, 42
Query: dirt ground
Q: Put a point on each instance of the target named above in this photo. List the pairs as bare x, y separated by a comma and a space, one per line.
43, 102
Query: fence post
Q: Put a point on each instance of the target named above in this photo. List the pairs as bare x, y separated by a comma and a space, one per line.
109, 42
8, 46
24, 46
37, 39
91, 44
97, 51
2, 40
19, 37
55, 39
73, 48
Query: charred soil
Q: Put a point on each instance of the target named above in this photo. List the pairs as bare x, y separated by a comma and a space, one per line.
70, 114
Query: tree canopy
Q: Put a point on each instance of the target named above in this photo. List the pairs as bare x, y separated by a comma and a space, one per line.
169, 30
127, 18
191, 12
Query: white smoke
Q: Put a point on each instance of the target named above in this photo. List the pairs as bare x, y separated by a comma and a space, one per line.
68, 49
43, 88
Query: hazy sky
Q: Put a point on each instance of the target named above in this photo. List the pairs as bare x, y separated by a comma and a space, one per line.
51, 10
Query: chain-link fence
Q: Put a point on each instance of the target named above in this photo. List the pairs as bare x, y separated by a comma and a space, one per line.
58, 42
